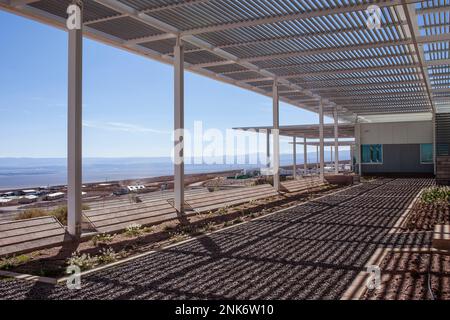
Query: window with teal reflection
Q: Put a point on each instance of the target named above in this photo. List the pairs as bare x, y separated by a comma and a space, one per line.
426, 153
372, 153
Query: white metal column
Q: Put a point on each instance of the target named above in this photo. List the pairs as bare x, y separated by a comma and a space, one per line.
268, 147
321, 143
433, 124
179, 126
74, 127
352, 148
276, 138
317, 157
294, 156
305, 155
358, 146
336, 142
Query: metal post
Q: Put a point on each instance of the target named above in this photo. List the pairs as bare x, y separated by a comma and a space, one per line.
351, 158
322, 158
74, 127
179, 126
276, 138
317, 158
358, 146
268, 147
336, 142
294, 155
433, 124
331, 155
305, 155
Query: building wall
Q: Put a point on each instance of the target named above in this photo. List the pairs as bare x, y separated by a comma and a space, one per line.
401, 146
397, 132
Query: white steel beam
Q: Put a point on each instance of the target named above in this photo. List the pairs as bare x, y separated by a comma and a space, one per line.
74, 131
179, 127
336, 141
317, 157
322, 158
305, 156
358, 146
276, 138
294, 156
268, 147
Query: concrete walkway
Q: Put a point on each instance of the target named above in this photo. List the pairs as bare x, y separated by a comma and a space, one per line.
312, 251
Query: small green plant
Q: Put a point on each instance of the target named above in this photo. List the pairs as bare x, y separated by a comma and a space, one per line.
178, 236
238, 220
208, 227
222, 210
107, 256
83, 261
14, 261
103, 238
135, 229
435, 195
169, 228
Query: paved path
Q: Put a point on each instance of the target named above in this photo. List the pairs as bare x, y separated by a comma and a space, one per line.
312, 251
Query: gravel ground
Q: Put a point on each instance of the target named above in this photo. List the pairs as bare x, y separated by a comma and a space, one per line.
312, 251
413, 276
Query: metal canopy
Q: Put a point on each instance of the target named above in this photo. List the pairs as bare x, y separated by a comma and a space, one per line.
309, 131
315, 49
327, 143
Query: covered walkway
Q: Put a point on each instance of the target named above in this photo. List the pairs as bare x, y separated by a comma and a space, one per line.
311, 251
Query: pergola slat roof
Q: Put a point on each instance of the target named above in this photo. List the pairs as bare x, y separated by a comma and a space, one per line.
315, 49
309, 131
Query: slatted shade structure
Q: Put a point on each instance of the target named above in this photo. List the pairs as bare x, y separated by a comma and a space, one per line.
309, 131
321, 55
434, 22
315, 49
328, 143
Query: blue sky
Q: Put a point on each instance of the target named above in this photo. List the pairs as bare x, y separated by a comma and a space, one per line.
128, 103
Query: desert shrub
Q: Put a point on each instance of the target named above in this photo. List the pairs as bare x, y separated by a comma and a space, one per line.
435, 195
178, 236
59, 213
208, 227
222, 210
14, 261
102, 238
107, 256
83, 261
238, 220
135, 229
32, 213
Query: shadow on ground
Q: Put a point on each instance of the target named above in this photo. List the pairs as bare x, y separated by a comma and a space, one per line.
312, 251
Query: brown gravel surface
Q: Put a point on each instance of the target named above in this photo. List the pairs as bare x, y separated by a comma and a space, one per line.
425, 216
311, 251
416, 276
51, 262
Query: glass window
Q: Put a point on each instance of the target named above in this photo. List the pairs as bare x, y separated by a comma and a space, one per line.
426, 153
372, 153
